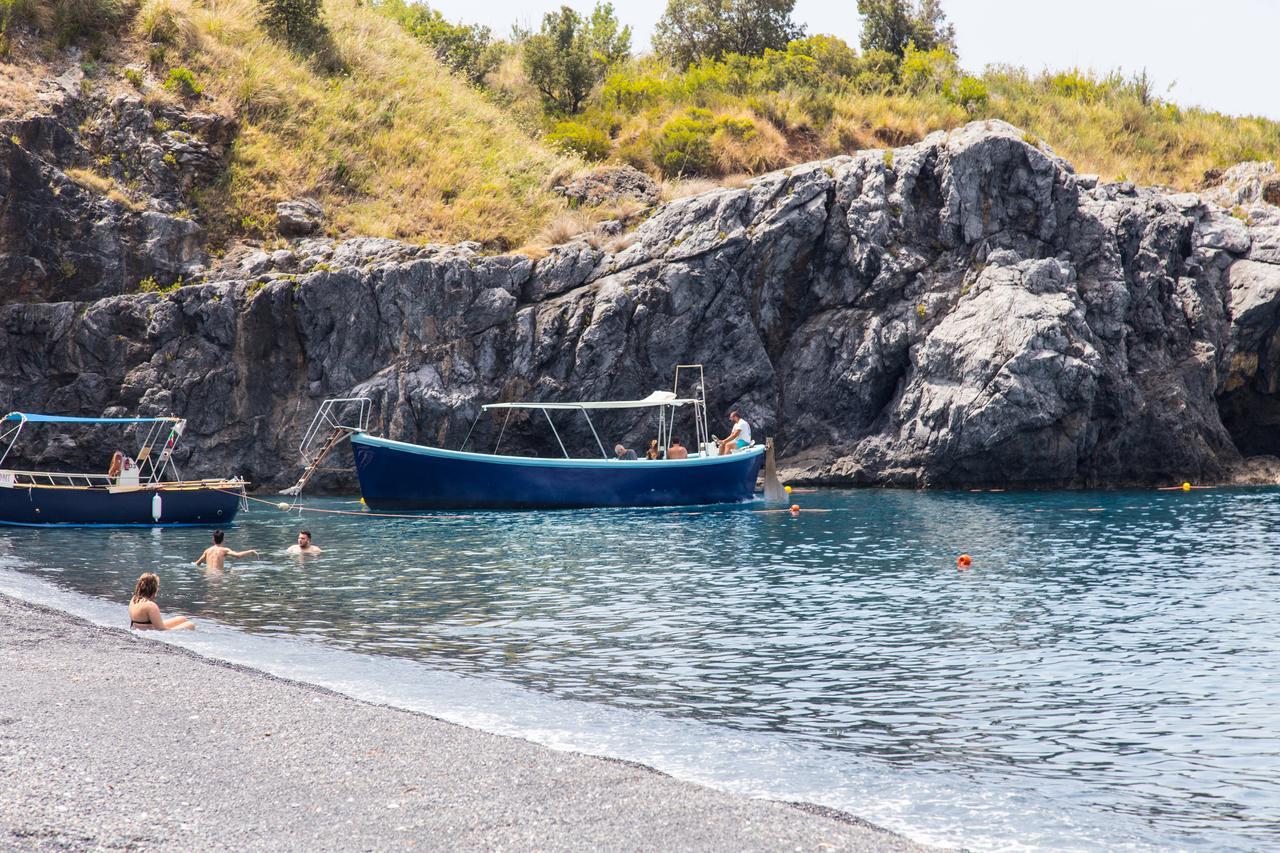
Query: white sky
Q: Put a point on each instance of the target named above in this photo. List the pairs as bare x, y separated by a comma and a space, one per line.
1223, 54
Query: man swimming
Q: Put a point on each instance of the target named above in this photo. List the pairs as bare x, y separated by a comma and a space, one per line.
304, 545
216, 554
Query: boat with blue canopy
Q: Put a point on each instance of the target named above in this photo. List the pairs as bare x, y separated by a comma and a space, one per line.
142, 490
399, 475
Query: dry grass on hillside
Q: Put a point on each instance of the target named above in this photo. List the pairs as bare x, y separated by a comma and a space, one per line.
397, 147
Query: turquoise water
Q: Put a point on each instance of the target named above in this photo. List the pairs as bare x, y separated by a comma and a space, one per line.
1107, 674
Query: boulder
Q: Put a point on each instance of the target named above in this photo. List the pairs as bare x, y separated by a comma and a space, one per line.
610, 184
299, 217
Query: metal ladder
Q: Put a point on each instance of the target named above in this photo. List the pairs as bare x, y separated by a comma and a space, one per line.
335, 415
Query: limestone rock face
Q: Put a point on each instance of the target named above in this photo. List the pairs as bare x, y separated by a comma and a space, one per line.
965, 312
68, 230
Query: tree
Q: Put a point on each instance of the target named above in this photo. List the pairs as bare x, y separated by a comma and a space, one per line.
609, 44
570, 54
693, 30
891, 25
297, 23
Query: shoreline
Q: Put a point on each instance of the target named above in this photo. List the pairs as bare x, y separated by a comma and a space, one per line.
119, 740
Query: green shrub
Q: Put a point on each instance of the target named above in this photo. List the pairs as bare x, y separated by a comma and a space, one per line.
591, 142
683, 144
182, 82
1077, 85
927, 70
134, 76
968, 92
150, 285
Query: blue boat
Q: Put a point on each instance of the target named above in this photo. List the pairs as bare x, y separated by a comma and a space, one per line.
133, 492
398, 475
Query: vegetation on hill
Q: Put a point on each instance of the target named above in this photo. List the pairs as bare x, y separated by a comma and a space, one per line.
744, 92
355, 113
404, 124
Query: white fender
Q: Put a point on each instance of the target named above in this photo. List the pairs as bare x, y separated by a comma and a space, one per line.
156, 506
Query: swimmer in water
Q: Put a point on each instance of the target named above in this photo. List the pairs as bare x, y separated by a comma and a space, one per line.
304, 545
144, 613
216, 554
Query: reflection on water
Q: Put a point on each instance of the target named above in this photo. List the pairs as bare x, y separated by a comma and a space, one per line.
1113, 654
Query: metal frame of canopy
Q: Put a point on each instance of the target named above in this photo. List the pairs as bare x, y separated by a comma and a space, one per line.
150, 465
661, 400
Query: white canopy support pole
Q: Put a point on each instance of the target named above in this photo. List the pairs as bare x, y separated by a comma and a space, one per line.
501, 432
12, 435
556, 434
600, 443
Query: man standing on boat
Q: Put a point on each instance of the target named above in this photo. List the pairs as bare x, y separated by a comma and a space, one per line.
216, 554
740, 437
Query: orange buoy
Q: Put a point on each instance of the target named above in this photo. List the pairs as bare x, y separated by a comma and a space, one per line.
964, 561
795, 507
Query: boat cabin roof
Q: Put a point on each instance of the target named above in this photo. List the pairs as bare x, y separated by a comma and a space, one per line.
657, 398
61, 419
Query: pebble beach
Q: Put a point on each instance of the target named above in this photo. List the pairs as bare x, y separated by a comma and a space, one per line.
110, 739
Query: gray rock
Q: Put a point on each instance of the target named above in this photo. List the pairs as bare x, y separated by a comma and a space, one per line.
1244, 184
610, 184
299, 217
968, 312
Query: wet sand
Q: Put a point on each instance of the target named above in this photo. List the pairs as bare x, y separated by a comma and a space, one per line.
109, 739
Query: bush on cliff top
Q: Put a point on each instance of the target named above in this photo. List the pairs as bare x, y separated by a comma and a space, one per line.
818, 97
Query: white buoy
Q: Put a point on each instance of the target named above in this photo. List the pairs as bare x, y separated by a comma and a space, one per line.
156, 508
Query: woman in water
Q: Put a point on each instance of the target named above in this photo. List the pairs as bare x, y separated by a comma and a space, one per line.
144, 613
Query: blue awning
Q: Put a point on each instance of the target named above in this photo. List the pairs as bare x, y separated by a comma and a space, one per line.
62, 419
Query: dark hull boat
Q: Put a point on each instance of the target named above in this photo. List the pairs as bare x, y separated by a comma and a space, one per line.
133, 494
398, 475
164, 505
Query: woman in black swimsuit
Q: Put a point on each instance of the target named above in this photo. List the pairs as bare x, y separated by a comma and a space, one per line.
144, 613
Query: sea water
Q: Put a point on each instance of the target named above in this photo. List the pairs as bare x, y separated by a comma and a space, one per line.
1107, 674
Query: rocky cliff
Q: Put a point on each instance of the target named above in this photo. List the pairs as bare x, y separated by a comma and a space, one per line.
962, 312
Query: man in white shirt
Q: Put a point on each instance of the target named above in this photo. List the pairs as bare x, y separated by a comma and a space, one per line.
739, 438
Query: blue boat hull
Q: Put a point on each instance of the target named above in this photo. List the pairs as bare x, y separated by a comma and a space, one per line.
46, 507
398, 475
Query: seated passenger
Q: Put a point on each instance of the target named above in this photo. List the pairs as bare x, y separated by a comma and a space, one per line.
653, 452
739, 438
623, 453
676, 450
117, 461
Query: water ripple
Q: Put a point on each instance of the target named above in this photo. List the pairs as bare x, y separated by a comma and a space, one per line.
1115, 653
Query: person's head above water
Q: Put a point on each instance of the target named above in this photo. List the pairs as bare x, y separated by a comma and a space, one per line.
218, 536
304, 539
147, 587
